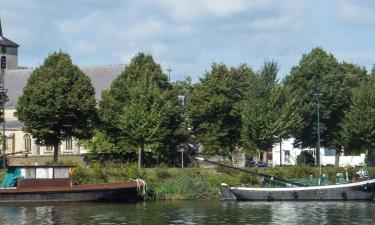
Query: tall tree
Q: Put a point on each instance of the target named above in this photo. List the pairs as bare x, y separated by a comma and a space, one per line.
358, 127
141, 109
58, 102
214, 108
320, 72
268, 114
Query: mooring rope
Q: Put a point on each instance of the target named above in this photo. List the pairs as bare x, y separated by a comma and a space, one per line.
141, 185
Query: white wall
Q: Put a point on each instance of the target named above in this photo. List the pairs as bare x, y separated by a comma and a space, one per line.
327, 158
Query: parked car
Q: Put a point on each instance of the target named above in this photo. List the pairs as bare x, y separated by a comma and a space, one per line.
262, 164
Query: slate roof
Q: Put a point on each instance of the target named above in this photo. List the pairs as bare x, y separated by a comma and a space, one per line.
101, 79
13, 125
6, 42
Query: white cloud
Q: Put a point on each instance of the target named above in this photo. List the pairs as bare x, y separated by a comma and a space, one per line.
357, 12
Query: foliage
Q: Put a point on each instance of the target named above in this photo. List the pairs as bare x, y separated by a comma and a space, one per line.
141, 110
319, 71
214, 108
58, 102
267, 115
305, 158
358, 127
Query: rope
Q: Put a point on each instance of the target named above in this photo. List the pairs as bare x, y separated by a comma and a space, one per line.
141, 185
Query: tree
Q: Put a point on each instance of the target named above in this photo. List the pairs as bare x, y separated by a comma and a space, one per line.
141, 110
58, 102
358, 127
268, 114
215, 106
305, 158
319, 71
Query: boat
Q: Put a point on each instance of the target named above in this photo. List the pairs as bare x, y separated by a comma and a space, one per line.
53, 184
295, 191
363, 190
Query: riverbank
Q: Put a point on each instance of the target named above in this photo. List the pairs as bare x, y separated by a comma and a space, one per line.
194, 183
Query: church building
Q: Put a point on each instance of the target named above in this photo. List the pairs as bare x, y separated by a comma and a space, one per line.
15, 78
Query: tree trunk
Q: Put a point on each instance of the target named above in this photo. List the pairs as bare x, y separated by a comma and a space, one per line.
55, 153
140, 153
337, 158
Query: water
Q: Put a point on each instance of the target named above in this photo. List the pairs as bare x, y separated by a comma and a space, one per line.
191, 212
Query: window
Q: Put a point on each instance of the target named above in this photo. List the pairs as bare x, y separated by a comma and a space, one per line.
287, 156
27, 141
49, 148
68, 144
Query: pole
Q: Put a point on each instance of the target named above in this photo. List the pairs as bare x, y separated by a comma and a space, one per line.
182, 159
3, 111
255, 173
281, 159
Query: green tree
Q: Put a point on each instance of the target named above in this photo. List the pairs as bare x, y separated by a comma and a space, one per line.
215, 108
268, 114
305, 158
358, 127
58, 102
141, 110
319, 71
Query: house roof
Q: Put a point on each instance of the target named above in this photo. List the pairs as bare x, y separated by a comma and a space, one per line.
6, 42
101, 79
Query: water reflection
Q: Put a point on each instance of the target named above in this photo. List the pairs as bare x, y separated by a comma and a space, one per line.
191, 212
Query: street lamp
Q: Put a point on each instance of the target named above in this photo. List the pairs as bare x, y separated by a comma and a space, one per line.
181, 98
318, 94
3, 92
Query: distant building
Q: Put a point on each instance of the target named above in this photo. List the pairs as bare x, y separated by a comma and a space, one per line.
10, 50
289, 155
16, 79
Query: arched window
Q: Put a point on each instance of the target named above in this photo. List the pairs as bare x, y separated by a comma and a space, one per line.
27, 140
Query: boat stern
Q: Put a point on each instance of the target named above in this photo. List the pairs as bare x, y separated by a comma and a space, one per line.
225, 193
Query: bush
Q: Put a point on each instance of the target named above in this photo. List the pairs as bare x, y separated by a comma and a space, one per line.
305, 158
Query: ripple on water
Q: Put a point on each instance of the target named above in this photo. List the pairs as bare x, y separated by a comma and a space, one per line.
191, 213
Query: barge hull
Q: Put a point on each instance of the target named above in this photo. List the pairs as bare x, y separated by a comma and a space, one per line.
119, 192
356, 191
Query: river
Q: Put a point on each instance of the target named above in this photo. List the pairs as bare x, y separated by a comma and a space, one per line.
190, 212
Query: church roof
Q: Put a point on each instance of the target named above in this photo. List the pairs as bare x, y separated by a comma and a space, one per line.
6, 42
101, 79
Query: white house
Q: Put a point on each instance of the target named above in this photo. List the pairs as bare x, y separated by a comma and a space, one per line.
289, 155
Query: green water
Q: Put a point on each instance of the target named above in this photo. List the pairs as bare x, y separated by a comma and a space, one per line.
191, 212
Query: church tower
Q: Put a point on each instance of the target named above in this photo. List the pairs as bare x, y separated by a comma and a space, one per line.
9, 49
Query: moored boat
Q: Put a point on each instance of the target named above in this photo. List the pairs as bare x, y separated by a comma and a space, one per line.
53, 184
295, 191
364, 190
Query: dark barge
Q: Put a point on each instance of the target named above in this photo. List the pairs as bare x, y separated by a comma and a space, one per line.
53, 184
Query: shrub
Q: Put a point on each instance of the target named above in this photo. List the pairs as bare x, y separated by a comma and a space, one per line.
305, 158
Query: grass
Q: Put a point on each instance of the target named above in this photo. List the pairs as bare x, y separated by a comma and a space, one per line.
194, 183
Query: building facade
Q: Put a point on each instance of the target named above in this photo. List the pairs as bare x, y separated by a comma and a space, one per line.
289, 155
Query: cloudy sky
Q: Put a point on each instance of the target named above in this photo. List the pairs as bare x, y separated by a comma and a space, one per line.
190, 35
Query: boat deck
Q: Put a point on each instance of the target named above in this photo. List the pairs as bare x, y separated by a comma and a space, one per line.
74, 188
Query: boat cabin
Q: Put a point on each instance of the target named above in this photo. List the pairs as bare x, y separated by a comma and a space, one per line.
37, 176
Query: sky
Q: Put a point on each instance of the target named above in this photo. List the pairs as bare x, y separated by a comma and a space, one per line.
189, 35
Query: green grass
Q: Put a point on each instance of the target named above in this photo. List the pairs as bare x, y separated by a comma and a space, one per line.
193, 183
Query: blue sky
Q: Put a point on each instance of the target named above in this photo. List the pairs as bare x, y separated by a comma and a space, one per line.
190, 35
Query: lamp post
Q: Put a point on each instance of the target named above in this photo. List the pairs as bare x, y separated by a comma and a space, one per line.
318, 94
181, 98
2, 93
